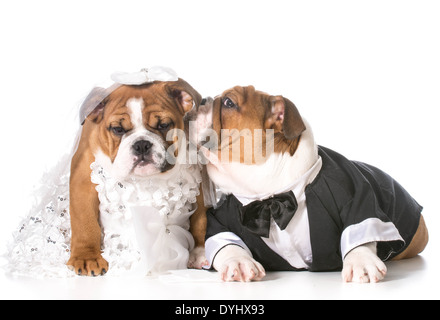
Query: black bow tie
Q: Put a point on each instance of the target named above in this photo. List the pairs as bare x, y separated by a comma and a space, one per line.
256, 216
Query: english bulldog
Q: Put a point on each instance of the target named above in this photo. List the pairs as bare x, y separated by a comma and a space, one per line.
125, 133
290, 204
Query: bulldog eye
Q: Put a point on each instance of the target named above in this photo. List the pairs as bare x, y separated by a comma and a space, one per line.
228, 103
119, 131
163, 126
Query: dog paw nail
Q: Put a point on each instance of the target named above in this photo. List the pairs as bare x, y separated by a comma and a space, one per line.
93, 274
103, 272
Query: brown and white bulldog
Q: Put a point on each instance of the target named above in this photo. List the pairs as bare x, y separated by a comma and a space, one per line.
126, 129
336, 214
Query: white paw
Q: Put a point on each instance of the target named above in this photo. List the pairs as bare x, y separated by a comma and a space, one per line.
362, 265
197, 259
243, 269
235, 264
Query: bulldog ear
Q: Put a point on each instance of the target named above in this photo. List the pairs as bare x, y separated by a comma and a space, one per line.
285, 117
185, 95
93, 105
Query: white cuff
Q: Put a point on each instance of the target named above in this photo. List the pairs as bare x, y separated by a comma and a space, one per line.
217, 242
369, 230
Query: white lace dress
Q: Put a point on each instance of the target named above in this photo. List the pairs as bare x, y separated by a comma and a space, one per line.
144, 223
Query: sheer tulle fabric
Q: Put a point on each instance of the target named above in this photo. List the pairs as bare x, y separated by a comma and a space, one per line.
145, 223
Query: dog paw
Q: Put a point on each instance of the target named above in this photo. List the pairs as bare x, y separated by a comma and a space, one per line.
362, 265
243, 269
197, 259
236, 264
88, 267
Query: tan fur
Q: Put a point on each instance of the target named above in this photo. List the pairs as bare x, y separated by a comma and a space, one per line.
418, 243
198, 223
258, 110
164, 102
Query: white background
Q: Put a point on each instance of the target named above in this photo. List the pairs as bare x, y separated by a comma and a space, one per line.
366, 75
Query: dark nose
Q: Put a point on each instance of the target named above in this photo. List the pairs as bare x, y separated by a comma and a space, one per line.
141, 147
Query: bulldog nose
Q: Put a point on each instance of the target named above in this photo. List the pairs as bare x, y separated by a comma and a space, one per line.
207, 100
141, 147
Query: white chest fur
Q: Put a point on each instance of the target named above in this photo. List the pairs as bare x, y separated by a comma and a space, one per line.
269, 178
279, 174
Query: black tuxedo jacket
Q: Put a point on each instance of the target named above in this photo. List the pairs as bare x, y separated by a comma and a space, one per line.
344, 193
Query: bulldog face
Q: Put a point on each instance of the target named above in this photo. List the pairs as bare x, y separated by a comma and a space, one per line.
243, 114
250, 129
131, 126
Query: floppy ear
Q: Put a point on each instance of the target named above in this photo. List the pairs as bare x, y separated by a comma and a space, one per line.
93, 106
285, 117
185, 95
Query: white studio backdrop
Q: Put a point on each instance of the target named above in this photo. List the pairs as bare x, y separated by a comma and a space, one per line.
366, 75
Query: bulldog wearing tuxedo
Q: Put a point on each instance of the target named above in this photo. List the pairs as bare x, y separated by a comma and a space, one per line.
304, 206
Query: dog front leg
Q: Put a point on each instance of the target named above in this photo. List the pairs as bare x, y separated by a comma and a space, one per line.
198, 221
363, 265
85, 257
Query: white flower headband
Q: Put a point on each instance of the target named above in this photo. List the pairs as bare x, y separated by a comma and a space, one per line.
97, 95
145, 76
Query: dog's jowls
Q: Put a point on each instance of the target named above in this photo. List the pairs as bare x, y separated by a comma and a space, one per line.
126, 135
349, 216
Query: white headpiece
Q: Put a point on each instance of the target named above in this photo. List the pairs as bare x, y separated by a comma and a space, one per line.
145, 76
